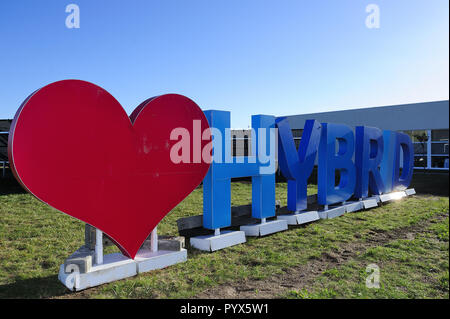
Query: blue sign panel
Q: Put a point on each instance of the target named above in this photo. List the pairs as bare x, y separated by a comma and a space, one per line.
368, 156
260, 166
383, 161
295, 165
387, 162
340, 137
397, 148
403, 142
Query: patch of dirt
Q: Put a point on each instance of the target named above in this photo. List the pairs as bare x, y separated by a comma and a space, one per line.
304, 275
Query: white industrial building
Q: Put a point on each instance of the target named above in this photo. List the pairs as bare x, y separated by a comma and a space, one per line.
4, 130
426, 123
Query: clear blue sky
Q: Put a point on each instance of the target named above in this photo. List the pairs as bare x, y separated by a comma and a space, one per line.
248, 57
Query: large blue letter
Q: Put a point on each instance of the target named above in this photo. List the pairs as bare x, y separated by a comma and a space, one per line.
217, 183
394, 142
368, 156
329, 162
403, 142
297, 166
387, 163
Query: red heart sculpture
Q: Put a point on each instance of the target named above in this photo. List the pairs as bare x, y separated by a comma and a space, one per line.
73, 146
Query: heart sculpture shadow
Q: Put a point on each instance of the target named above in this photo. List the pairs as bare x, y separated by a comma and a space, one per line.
72, 146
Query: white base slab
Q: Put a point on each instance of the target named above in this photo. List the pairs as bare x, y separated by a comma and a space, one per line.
391, 196
332, 212
147, 260
353, 206
385, 198
300, 218
369, 203
410, 191
263, 229
115, 267
213, 243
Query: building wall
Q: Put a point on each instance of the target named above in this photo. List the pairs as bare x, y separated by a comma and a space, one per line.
4, 129
417, 116
427, 123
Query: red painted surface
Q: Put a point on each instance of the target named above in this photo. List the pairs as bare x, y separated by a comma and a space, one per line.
73, 146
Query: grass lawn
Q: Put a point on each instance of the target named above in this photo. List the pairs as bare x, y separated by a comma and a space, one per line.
415, 267
407, 240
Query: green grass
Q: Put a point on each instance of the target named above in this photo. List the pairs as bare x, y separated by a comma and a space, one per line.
409, 268
35, 240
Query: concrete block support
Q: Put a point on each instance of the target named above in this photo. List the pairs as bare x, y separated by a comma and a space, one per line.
265, 228
217, 242
300, 217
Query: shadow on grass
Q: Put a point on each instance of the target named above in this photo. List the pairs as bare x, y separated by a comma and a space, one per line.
9, 185
34, 288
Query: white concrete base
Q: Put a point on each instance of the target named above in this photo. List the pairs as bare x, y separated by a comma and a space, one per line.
369, 203
263, 229
353, 206
410, 191
332, 212
115, 267
391, 196
147, 260
300, 218
385, 198
213, 243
